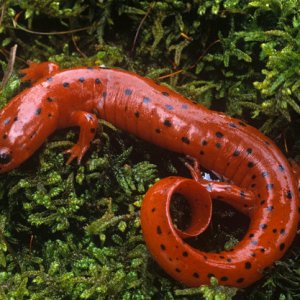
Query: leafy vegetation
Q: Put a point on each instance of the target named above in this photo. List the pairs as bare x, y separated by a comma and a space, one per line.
69, 231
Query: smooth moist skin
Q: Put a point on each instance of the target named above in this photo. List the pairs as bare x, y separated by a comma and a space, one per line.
263, 185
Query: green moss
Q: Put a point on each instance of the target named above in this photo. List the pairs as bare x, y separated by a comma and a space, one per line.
69, 231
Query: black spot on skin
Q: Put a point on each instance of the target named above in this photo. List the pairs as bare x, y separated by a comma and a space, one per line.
262, 250
201, 152
282, 246
263, 226
185, 140
165, 94
253, 185
93, 130
128, 92
196, 275
270, 208
97, 81
167, 123
15, 119
282, 231
38, 111
270, 186
49, 79
169, 107
264, 174
250, 164
185, 254
249, 151
229, 260
253, 177
49, 115
66, 84
153, 209
251, 235
240, 280
289, 195
146, 100
236, 153
158, 230
242, 194
104, 94
253, 254
210, 275
137, 114
232, 125
50, 99
6, 121
218, 145
274, 230
222, 257
262, 202
4, 136
157, 130
204, 143
5, 158
177, 270
248, 265
162, 247
224, 278
219, 134
81, 79
281, 168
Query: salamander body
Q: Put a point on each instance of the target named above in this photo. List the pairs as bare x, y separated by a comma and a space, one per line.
260, 184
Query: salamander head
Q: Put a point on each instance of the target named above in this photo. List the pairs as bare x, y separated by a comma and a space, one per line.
25, 123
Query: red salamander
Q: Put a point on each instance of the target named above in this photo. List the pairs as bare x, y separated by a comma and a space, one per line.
261, 183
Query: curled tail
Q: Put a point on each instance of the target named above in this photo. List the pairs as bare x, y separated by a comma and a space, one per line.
238, 267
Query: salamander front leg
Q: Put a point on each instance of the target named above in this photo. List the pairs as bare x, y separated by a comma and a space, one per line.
88, 124
241, 199
36, 71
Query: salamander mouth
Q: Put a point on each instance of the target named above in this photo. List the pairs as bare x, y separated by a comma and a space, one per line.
5, 156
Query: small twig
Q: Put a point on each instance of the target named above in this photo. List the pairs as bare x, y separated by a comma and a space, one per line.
2, 12
140, 26
171, 74
10, 66
17, 26
192, 66
77, 48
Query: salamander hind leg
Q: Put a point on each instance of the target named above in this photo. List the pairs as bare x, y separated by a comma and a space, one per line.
36, 71
241, 199
88, 124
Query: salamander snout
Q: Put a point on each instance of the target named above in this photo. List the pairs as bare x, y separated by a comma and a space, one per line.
5, 156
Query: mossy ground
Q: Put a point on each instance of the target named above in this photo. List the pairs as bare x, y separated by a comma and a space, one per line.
73, 232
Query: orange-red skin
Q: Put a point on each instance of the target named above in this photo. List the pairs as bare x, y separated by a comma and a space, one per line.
260, 177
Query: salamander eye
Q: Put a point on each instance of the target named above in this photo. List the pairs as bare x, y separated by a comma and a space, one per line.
5, 156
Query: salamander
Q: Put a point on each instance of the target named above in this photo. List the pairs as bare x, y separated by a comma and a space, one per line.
259, 180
